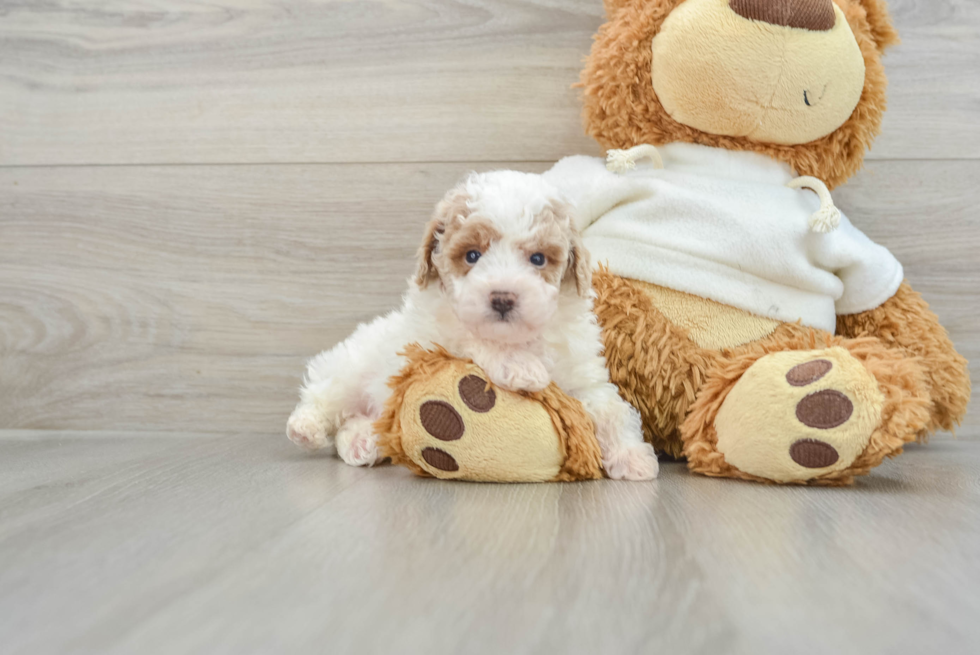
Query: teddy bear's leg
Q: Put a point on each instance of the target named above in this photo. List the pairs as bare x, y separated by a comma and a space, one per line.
656, 366
905, 322
787, 410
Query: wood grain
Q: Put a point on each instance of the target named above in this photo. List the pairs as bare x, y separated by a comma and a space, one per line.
242, 544
261, 81
188, 298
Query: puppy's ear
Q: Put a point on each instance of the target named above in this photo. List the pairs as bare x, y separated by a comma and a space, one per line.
427, 272
579, 264
452, 208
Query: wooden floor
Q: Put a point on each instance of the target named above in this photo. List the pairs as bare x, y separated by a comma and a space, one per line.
198, 195
120, 543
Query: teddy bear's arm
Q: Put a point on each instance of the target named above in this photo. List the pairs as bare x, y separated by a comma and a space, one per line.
905, 321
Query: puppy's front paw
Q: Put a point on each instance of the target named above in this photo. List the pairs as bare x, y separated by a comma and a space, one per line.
619, 429
635, 461
357, 444
304, 430
518, 372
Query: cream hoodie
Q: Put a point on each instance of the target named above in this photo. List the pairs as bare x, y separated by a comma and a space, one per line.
723, 225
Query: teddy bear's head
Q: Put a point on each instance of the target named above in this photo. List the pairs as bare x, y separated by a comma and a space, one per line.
798, 80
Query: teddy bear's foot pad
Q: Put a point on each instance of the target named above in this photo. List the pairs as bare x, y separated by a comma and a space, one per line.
798, 415
445, 420
457, 428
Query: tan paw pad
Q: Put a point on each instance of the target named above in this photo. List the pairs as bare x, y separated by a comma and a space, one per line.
458, 427
798, 415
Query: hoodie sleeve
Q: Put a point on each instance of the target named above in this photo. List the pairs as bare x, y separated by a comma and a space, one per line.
589, 187
870, 272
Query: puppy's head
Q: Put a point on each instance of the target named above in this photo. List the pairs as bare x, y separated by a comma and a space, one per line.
504, 250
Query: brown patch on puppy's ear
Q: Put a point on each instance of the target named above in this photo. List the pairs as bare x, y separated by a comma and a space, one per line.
449, 209
580, 264
426, 271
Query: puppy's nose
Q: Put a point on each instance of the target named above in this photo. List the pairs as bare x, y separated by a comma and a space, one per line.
814, 15
502, 302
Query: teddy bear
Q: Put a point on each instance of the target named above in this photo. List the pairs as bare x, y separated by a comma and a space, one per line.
761, 335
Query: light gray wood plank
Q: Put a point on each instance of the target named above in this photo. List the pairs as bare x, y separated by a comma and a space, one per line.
263, 81
242, 544
188, 298
408, 80
930, 115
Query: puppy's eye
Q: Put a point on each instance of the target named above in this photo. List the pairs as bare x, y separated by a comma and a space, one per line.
538, 259
473, 256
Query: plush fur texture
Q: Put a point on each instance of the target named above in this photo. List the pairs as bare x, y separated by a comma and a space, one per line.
565, 428
503, 280
657, 368
622, 110
906, 323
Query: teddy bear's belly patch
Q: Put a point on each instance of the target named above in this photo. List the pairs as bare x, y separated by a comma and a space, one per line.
711, 325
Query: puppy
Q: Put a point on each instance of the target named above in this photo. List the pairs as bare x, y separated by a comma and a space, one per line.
503, 279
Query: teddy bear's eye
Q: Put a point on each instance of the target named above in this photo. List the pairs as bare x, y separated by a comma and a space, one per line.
538, 259
473, 256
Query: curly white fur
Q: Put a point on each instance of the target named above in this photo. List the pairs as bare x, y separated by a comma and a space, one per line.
550, 333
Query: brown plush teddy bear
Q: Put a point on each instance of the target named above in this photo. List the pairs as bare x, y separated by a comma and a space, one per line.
760, 334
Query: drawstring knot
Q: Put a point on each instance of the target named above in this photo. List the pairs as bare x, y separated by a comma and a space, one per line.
620, 161
827, 218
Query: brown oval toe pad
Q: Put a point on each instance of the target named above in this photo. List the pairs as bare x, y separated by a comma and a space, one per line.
809, 372
442, 421
813, 454
825, 409
440, 459
477, 394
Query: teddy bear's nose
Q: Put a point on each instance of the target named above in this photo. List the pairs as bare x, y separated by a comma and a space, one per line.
816, 15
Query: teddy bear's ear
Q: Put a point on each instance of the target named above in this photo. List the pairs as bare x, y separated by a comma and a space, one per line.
882, 30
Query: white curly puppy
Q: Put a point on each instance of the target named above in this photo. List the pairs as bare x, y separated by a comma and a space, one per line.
502, 279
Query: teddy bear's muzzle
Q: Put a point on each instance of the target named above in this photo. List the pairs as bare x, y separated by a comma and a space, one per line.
784, 72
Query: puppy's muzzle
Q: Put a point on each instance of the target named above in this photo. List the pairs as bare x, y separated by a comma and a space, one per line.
503, 302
